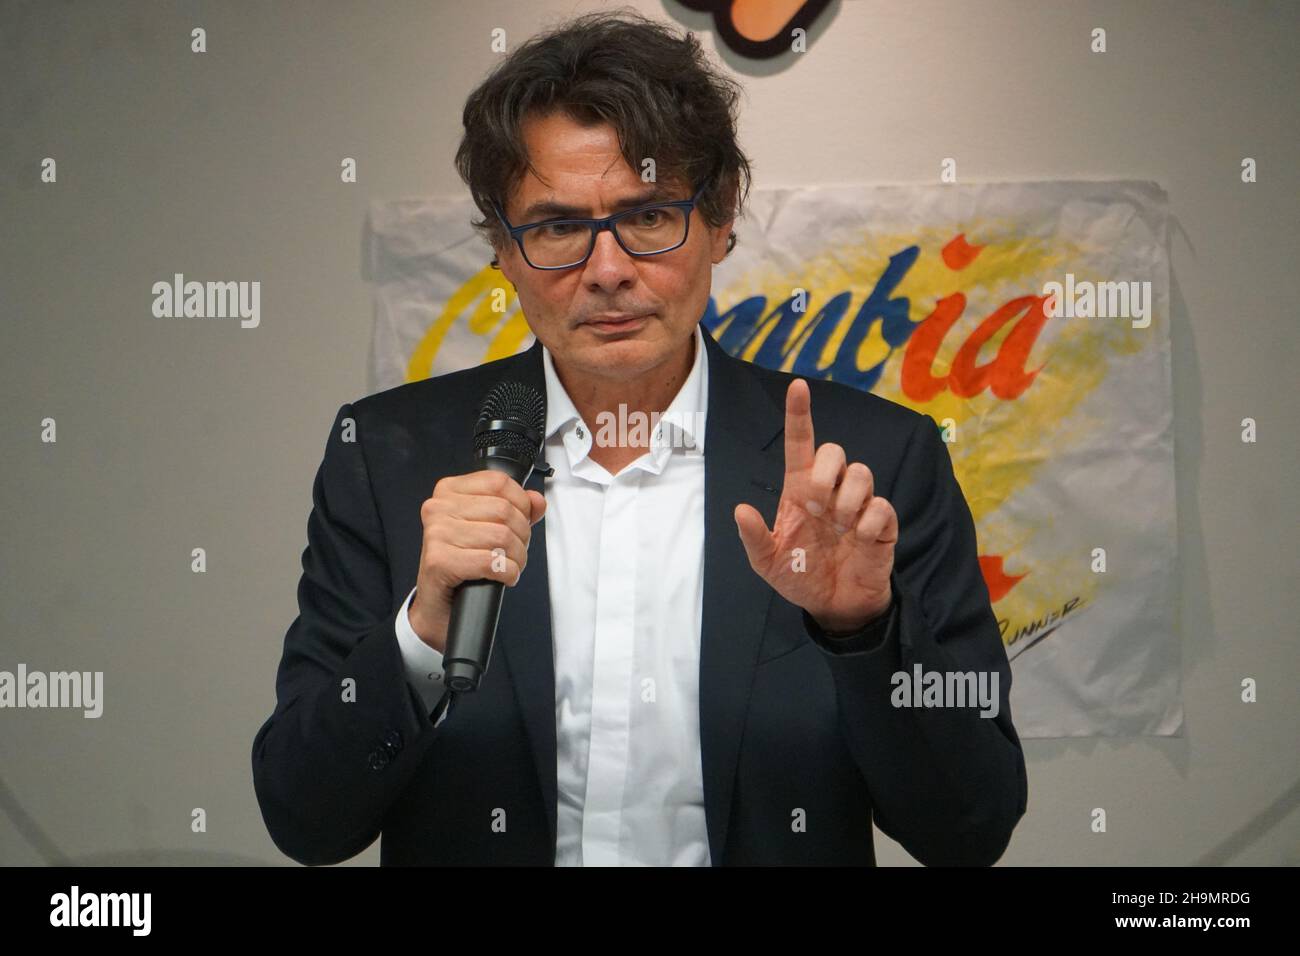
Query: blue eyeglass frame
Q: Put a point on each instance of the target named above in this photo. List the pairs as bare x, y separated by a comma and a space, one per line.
596, 226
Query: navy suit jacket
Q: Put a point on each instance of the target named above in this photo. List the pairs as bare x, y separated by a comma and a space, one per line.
801, 747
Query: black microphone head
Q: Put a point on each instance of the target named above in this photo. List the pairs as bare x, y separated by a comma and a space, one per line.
511, 418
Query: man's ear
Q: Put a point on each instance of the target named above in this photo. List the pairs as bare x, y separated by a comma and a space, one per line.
720, 241
505, 262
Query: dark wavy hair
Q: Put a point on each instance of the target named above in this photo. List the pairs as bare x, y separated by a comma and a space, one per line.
654, 86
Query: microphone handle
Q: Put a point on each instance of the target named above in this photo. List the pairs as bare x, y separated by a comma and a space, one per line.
476, 608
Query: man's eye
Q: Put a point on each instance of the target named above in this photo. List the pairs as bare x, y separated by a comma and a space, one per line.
650, 217
558, 230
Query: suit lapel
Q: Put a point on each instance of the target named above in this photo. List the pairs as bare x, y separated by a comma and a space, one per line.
527, 650
741, 465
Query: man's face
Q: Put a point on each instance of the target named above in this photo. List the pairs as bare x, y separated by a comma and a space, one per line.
582, 168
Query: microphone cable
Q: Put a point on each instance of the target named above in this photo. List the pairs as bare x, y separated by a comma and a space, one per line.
442, 710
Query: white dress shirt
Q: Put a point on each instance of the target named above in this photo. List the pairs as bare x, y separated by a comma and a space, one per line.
625, 562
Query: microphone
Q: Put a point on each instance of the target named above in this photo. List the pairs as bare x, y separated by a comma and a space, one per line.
507, 438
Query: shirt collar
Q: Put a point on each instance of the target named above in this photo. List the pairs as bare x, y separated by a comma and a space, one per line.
682, 424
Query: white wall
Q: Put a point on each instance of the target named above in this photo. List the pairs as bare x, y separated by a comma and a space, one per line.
174, 435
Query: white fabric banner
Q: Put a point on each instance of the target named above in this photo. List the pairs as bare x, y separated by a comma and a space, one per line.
1030, 321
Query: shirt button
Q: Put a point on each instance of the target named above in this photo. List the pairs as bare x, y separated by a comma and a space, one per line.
581, 433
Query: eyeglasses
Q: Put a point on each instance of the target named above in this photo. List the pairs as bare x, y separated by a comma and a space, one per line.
565, 243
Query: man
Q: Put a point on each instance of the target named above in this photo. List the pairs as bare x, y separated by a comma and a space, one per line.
696, 655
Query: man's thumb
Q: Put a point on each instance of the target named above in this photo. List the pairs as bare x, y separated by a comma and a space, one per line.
753, 534
537, 505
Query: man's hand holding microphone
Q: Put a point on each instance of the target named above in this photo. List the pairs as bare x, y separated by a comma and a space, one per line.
476, 527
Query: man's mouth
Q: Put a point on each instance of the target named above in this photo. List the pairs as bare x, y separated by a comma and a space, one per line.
617, 321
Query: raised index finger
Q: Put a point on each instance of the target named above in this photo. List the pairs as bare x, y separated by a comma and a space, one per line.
799, 448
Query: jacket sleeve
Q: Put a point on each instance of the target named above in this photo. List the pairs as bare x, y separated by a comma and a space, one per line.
348, 730
946, 783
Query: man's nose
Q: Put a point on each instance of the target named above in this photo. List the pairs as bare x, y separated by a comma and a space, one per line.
609, 264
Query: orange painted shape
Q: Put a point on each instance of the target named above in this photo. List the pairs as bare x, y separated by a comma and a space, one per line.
997, 580
1006, 372
918, 381
760, 20
959, 253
